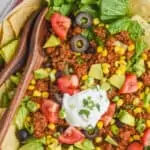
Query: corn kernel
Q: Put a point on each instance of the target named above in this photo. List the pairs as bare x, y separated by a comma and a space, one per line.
98, 139
136, 137
31, 87
52, 126
107, 26
138, 110
105, 68
117, 64
142, 95
33, 81
99, 49
77, 54
148, 123
131, 47
147, 90
140, 85
101, 25
148, 64
100, 125
85, 77
28, 119
104, 53
45, 94
120, 102
96, 21
136, 101
122, 62
98, 148
121, 70
144, 56
131, 139
37, 93
119, 50
122, 58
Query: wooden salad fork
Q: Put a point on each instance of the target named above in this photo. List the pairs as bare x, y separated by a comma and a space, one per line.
36, 58
21, 53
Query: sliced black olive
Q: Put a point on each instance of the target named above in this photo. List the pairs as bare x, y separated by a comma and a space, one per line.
22, 135
119, 124
84, 20
79, 43
91, 134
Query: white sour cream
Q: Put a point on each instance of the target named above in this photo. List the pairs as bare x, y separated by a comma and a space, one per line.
84, 109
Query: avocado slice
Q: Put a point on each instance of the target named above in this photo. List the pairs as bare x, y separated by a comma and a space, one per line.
105, 86
117, 80
41, 74
111, 140
96, 72
7, 52
126, 118
52, 41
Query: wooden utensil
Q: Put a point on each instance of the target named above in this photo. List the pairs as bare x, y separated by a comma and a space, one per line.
21, 53
36, 58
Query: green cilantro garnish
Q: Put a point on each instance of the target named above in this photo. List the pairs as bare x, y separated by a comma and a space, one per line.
84, 112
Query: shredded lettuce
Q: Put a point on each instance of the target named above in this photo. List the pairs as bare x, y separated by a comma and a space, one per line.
114, 9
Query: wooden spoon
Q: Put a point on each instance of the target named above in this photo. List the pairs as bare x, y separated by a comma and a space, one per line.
21, 53
36, 58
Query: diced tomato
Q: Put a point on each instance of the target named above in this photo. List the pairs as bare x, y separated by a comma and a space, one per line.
135, 146
68, 84
71, 136
51, 110
107, 117
60, 25
146, 138
130, 85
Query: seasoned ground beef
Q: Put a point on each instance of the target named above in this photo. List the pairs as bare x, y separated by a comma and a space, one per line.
42, 85
146, 78
40, 124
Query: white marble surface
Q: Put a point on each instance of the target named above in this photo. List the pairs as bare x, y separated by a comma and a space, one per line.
5, 6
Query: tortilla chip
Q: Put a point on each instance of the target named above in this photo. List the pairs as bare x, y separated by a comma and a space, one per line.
0, 31
24, 4
18, 19
10, 141
7, 33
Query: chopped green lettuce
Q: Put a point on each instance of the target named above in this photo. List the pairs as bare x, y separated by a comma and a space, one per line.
110, 140
114, 9
140, 125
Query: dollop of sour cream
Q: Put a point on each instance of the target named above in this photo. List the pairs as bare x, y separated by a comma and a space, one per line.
85, 108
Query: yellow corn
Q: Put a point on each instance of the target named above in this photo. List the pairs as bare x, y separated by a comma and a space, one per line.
99, 49
119, 50
120, 102
101, 25
33, 81
121, 70
122, 62
98, 140
96, 21
122, 58
105, 68
52, 126
136, 101
51, 140
107, 26
131, 47
147, 90
45, 94
148, 64
100, 125
77, 54
117, 64
104, 53
144, 56
138, 110
148, 123
131, 139
37, 93
140, 85
136, 137
142, 95
98, 148
31, 87
85, 77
